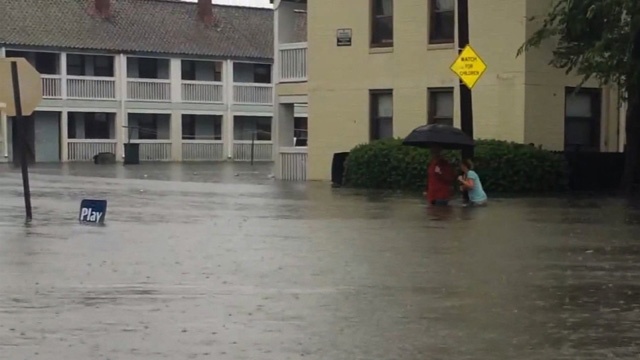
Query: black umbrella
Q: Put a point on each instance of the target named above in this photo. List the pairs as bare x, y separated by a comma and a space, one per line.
444, 136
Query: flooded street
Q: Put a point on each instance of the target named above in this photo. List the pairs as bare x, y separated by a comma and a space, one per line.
217, 262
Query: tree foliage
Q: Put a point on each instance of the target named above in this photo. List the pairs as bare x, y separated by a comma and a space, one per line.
594, 39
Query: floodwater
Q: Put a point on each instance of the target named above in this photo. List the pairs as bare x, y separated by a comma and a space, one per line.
223, 262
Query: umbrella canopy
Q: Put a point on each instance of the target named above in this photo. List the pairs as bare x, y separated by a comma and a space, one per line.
444, 136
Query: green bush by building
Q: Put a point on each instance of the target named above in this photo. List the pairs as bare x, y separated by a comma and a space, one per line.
504, 167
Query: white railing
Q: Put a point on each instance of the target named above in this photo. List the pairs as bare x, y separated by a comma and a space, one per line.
89, 87
293, 164
262, 150
51, 86
202, 92
149, 89
253, 94
293, 62
202, 150
86, 149
154, 150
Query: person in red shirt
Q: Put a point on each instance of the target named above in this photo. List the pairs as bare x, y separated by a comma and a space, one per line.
440, 178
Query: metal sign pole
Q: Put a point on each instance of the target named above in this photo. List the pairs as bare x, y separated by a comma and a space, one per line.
22, 131
466, 102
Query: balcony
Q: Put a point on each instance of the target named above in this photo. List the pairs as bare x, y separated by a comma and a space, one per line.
148, 90
259, 94
52, 86
293, 62
87, 87
202, 92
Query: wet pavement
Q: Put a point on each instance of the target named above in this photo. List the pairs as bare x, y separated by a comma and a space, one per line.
223, 262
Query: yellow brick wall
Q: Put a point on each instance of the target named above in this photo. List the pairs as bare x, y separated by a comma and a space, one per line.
519, 99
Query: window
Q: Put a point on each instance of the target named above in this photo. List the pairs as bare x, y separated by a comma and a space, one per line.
47, 63
148, 68
382, 23
381, 123
244, 128
148, 127
201, 70
201, 127
441, 106
103, 65
76, 65
442, 21
252, 73
90, 125
188, 70
582, 119
300, 131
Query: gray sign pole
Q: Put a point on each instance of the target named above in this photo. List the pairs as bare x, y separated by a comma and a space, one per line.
22, 133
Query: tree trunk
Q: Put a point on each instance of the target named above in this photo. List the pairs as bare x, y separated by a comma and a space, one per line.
632, 149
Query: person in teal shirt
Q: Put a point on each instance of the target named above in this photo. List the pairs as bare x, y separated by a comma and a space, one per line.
470, 182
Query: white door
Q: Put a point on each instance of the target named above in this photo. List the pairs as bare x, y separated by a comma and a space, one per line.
47, 136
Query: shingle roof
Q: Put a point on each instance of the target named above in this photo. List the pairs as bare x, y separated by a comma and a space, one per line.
142, 26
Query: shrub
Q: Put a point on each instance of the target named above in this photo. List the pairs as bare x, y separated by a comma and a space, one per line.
504, 167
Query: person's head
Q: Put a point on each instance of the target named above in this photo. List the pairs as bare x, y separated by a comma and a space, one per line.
436, 151
466, 165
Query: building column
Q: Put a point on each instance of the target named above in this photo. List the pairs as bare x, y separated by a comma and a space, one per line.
120, 72
176, 135
175, 75
283, 126
227, 86
63, 75
64, 135
4, 134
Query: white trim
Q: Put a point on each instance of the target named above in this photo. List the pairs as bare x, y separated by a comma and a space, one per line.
149, 111
77, 109
293, 99
202, 112
97, 141
294, 46
253, 114
202, 141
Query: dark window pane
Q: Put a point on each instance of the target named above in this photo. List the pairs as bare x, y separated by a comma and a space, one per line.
382, 22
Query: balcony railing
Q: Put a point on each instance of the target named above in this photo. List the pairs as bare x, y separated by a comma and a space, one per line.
154, 150
51, 86
89, 87
293, 62
86, 149
293, 163
261, 94
262, 150
149, 89
202, 92
202, 150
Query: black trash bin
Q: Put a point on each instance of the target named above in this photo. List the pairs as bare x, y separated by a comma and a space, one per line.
131, 154
337, 168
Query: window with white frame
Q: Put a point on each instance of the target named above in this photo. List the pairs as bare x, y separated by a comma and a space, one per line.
582, 119
440, 106
381, 122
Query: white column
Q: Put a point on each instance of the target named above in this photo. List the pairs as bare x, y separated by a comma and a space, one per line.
176, 135
122, 118
283, 125
227, 74
175, 75
3, 52
64, 135
5, 133
622, 123
63, 75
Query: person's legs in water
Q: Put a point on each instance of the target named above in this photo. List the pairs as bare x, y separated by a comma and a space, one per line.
440, 202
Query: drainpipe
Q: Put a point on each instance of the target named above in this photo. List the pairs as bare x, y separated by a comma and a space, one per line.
4, 129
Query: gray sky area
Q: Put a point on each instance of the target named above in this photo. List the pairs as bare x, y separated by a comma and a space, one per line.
257, 3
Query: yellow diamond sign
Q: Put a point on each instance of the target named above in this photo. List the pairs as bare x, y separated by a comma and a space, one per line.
469, 67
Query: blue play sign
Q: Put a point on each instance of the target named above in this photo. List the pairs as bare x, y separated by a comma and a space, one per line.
93, 211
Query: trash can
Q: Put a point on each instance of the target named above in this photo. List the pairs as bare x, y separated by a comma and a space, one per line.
131, 154
337, 168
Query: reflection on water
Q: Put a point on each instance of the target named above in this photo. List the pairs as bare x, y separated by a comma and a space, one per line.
244, 267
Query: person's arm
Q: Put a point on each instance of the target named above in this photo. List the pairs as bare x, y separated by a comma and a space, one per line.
467, 183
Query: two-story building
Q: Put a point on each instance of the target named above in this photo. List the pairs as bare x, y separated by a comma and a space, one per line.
187, 81
371, 69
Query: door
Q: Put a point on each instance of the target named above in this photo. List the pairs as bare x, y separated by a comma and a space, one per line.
47, 136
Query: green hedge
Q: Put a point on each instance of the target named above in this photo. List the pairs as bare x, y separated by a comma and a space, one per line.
503, 167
